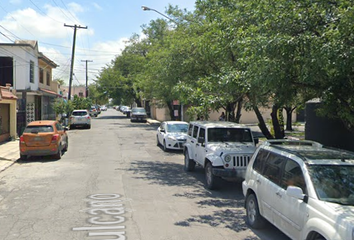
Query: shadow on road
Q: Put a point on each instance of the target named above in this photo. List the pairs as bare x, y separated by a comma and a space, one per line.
43, 159
228, 199
109, 117
227, 202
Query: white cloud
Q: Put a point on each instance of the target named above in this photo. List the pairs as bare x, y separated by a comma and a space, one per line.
101, 55
30, 24
76, 8
47, 26
98, 7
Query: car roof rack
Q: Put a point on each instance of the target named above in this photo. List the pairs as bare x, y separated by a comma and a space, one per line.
291, 142
282, 144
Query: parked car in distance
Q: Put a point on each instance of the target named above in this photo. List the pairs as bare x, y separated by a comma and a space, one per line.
172, 135
103, 108
121, 108
127, 110
138, 114
93, 111
80, 118
223, 149
42, 138
303, 188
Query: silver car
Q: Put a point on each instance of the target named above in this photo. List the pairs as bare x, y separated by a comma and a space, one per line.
80, 118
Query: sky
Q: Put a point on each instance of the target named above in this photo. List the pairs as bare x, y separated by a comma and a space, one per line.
110, 23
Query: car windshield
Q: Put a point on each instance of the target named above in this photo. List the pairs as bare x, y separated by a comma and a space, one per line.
79, 113
38, 129
333, 183
229, 135
177, 128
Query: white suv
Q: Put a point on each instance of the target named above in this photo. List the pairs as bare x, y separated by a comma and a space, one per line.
303, 188
80, 118
223, 149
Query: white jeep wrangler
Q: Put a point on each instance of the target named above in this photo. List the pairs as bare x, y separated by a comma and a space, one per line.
223, 149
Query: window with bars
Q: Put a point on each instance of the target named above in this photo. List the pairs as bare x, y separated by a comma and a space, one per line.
48, 78
31, 71
41, 75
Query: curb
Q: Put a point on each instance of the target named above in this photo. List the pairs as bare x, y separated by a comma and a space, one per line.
4, 166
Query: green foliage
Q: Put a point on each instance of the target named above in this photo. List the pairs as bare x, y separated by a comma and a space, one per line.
81, 103
62, 106
282, 54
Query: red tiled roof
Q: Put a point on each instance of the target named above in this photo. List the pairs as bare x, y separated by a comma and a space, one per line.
6, 94
49, 91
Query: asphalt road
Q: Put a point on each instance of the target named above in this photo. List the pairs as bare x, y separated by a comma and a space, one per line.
115, 183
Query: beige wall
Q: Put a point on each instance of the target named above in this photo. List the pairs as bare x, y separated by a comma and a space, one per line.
247, 117
75, 90
12, 118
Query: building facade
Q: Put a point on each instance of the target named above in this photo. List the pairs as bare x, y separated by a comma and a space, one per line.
8, 103
30, 73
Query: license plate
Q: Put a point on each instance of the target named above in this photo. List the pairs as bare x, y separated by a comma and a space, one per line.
38, 139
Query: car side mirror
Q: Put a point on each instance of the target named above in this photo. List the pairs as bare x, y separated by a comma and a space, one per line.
162, 130
256, 140
295, 192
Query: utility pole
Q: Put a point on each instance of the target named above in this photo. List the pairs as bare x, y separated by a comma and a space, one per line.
72, 55
86, 75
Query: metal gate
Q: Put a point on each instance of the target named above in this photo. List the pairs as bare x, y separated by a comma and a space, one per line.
21, 116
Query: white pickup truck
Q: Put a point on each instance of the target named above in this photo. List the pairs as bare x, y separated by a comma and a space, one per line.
223, 149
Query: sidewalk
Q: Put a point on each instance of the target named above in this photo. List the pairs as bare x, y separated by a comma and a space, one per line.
152, 121
9, 154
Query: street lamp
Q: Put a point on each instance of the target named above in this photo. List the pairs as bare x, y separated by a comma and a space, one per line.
145, 8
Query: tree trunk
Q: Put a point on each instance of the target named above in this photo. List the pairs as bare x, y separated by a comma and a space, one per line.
289, 113
138, 102
278, 131
230, 112
170, 108
261, 123
238, 110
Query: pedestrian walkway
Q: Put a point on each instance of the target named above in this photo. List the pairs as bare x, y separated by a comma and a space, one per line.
9, 154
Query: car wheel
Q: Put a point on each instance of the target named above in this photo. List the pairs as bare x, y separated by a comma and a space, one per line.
59, 153
165, 146
189, 164
72, 126
89, 126
23, 157
212, 181
66, 145
253, 217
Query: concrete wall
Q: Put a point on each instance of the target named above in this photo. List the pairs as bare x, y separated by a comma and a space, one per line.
22, 57
247, 117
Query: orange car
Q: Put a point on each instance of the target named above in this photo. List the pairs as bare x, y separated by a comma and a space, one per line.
42, 138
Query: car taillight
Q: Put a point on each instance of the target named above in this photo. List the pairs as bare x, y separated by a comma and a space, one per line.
88, 117
22, 139
55, 138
